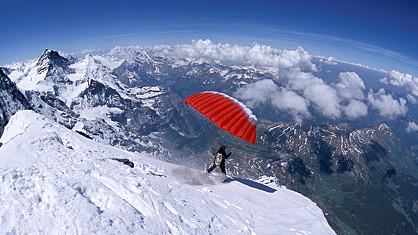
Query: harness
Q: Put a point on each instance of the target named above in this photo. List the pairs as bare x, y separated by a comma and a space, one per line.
218, 159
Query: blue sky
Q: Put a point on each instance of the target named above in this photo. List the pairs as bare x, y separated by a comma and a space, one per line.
381, 34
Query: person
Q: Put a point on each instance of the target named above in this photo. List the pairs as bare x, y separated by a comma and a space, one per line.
219, 160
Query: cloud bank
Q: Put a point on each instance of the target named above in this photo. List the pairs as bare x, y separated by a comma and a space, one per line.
255, 54
331, 100
302, 91
404, 80
321, 95
295, 88
267, 92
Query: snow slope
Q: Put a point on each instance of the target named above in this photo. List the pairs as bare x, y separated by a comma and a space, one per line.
55, 181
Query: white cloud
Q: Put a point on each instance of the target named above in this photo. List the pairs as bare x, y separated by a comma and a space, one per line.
402, 80
293, 103
412, 127
266, 91
351, 86
411, 99
257, 93
350, 89
384, 80
330, 60
255, 54
386, 104
323, 96
355, 109
301, 89
325, 99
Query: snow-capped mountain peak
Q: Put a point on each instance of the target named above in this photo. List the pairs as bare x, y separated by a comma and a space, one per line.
49, 59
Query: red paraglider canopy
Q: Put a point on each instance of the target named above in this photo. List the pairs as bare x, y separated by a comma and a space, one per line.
226, 112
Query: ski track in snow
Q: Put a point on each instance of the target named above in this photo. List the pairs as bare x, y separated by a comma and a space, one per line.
62, 183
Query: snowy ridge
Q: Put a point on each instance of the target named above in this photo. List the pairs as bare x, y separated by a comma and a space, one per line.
55, 181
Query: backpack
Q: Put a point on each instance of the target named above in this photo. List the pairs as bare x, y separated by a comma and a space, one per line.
218, 159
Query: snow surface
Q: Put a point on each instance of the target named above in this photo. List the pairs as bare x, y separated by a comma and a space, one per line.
27, 78
102, 112
55, 181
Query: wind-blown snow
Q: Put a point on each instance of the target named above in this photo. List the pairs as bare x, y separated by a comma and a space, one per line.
55, 181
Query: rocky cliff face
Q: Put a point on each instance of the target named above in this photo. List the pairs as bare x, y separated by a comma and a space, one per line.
11, 100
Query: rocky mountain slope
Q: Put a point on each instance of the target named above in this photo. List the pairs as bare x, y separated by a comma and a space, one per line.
359, 177
11, 100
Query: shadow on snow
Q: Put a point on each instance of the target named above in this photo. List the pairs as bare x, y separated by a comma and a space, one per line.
254, 184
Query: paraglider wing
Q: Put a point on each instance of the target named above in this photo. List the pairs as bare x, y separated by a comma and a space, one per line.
226, 112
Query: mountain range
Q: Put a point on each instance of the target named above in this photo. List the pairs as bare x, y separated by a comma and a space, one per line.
356, 158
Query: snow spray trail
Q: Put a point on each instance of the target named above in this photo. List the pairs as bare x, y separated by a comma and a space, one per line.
195, 177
